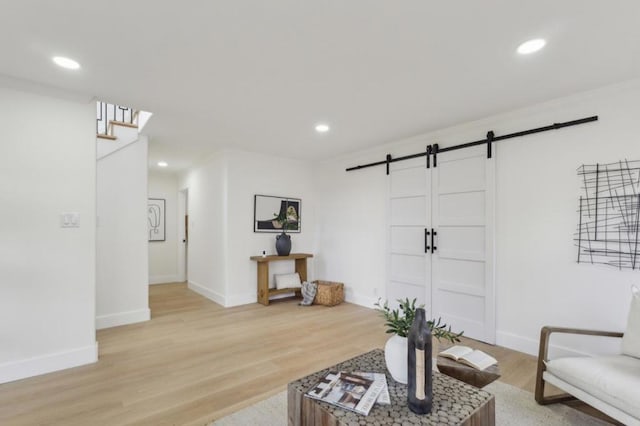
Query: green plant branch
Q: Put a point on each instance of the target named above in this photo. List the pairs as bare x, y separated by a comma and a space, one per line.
399, 321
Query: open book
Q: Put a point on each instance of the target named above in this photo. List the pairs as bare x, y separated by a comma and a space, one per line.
473, 358
348, 391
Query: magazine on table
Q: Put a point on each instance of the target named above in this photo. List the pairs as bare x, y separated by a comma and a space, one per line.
468, 356
348, 391
384, 397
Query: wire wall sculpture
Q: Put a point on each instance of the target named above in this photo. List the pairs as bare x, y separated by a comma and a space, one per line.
610, 214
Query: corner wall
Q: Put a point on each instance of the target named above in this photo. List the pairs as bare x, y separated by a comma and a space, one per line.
122, 246
221, 237
206, 261
47, 292
538, 281
250, 174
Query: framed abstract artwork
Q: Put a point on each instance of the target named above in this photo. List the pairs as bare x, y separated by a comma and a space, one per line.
272, 213
156, 225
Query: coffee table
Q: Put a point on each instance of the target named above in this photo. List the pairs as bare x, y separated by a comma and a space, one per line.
454, 402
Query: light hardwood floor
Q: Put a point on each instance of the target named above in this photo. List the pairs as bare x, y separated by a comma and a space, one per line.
196, 361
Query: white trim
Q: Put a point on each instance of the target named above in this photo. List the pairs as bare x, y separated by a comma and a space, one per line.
531, 346
41, 89
122, 318
358, 299
244, 299
517, 342
163, 279
490, 248
209, 294
43, 364
183, 249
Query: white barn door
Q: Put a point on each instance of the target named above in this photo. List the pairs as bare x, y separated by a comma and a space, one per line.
455, 279
462, 208
409, 215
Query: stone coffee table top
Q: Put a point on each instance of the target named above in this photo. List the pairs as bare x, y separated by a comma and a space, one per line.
454, 402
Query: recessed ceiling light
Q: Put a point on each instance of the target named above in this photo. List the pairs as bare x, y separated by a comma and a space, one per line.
531, 46
322, 128
163, 163
63, 62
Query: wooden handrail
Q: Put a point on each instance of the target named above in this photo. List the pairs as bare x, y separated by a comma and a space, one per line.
110, 115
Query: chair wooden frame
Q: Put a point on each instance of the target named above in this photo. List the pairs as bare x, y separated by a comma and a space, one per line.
545, 333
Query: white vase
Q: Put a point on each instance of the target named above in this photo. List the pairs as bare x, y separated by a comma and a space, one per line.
395, 356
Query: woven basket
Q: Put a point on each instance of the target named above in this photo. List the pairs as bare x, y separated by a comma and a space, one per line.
329, 293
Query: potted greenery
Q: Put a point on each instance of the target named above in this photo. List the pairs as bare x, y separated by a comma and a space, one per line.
398, 323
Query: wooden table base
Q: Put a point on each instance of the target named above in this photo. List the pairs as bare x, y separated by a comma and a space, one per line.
454, 402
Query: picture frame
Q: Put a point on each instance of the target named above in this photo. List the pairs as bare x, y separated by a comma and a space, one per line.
267, 209
156, 221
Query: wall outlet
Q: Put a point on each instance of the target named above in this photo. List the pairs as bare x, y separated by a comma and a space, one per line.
70, 220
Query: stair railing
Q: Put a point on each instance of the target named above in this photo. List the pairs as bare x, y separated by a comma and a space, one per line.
107, 113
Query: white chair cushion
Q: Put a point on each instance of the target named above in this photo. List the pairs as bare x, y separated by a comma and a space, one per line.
614, 379
631, 338
287, 281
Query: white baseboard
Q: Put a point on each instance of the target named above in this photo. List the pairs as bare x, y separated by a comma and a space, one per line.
122, 318
209, 294
517, 342
358, 299
227, 302
243, 299
163, 279
531, 346
35, 366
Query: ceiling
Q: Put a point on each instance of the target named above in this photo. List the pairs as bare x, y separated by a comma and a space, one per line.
258, 75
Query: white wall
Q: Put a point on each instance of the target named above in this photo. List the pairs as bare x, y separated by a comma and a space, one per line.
122, 274
47, 291
163, 255
207, 266
250, 174
351, 226
538, 281
221, 237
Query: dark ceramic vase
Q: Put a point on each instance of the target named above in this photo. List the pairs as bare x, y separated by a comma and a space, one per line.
283, 244
419, 381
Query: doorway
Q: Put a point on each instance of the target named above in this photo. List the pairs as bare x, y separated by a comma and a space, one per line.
183, 234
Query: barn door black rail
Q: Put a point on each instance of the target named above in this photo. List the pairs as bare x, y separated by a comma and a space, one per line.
491, 138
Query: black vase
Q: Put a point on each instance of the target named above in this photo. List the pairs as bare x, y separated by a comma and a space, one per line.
283, 244
419, 383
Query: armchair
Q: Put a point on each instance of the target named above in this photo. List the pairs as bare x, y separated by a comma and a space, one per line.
610, 383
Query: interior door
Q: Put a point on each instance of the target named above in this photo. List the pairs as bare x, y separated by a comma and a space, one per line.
463, 263
409, 212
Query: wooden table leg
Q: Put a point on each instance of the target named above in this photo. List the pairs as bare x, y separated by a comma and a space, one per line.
263, 283
301, 268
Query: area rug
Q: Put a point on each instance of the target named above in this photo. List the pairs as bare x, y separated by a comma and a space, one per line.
514, 406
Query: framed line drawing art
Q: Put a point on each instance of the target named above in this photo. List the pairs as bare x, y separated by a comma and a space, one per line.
156, 219
271, 213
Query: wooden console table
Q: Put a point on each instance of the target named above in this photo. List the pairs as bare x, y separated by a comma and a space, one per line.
263, 274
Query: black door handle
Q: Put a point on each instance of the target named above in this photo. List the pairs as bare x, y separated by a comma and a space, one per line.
433, 246
426, 240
